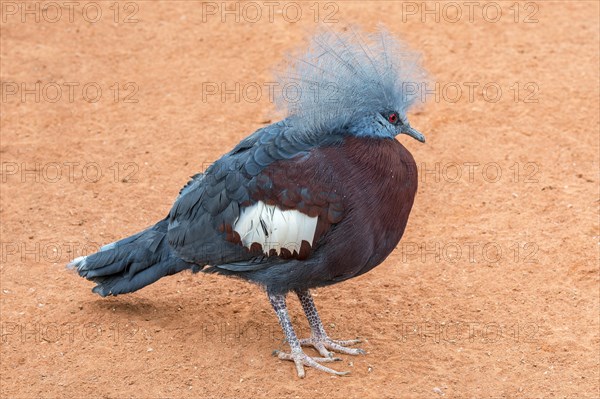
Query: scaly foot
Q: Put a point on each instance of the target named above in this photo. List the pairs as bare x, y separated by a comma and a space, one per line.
301, 359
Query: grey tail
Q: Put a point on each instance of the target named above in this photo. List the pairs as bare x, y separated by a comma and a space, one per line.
132, 263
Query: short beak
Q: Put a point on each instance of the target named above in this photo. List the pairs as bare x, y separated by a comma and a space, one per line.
415, 134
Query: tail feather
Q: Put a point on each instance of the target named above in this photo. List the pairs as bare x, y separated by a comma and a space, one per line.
132, 263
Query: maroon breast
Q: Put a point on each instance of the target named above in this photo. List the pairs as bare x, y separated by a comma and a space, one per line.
378, 179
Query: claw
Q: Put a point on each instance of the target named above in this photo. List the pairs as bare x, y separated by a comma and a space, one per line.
301, 359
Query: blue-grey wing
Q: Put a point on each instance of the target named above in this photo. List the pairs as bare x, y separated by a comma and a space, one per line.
200, 221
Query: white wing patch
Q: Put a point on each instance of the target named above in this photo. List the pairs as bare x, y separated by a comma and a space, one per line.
274, 228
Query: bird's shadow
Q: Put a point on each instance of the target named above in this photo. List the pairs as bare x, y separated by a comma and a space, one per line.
128, 307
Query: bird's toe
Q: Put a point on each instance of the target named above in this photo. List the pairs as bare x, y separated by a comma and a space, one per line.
324, 345
301, 359
332, 345
347, 342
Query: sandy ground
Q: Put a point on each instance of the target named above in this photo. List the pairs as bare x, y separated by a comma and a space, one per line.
493, 291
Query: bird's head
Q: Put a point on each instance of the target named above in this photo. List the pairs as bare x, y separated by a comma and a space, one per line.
362, 84
386, 124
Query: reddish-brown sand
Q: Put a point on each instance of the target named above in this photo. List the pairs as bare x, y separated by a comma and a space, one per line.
493, 291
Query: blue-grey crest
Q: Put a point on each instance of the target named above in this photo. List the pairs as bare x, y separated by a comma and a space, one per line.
361, 82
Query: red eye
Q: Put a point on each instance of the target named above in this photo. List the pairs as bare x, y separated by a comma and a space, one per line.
393, 118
